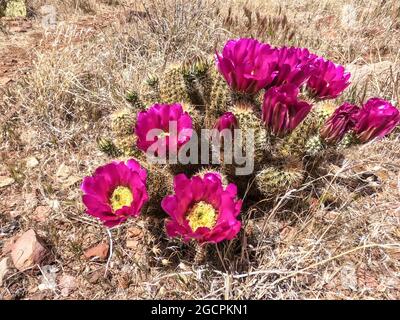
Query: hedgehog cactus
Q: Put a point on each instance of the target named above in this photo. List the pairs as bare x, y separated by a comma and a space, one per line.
123, 122
173, 86
126, 145
278, 179
249, 119
219, 97
283, 96
150, 93
108, 147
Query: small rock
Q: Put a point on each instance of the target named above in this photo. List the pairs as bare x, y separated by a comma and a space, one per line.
99, 251
123, 281
67, 282
7, 247
31, 162
41, 213
135, 232
4, 268
27, 251
31, 200
132, 244
6, 181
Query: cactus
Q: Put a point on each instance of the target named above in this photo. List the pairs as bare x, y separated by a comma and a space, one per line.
347, 141
150, 93
314, 145
195, 115
276, 180
159, 183
127, 146
108, 147
203, 92
173, 86
123, 122
135, 101
322, 111
294, 145
220, 94
248, 119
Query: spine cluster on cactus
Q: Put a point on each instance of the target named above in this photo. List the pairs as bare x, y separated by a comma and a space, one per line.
248, 119
108, 147
173, 86
275, 180
123, 122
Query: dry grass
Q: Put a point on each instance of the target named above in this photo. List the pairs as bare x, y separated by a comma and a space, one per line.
337, 236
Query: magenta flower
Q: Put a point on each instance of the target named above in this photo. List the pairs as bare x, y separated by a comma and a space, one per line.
164, 127
376, 118
294, 65
226, 121
247, 65
328, 80
115, 192
282, 112
339, 123
202, 209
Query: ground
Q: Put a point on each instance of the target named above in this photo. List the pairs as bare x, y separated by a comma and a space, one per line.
57, 88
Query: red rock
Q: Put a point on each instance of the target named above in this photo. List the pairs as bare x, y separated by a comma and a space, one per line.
27, 251
100, 251
135, 232
8, 245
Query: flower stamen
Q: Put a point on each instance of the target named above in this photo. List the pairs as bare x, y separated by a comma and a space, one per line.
201, 215
121, 197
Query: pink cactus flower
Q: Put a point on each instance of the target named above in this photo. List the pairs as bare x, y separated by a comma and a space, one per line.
247, 65
339, 123
376, 118
115, 192
294, 65
164, 127
282, 112
202, 209
328, 80
226, 121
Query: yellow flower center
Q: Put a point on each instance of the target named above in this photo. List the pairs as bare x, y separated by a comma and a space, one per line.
202, 214
163, 134
121, 196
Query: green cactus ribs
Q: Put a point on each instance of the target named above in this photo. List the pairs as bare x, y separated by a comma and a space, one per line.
249, 119
108, 147
174, 87
133, 98
275, 180
123, 122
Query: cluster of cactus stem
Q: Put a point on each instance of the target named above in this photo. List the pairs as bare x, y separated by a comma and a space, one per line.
279, 162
